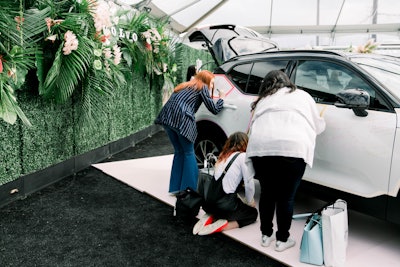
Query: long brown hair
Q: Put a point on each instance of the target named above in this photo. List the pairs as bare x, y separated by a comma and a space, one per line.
237, 142
202, 78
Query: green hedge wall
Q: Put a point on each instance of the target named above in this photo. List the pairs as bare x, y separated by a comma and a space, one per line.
186, 56
58, 135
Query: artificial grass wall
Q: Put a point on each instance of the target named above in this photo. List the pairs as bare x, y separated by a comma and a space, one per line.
186, 56
57, 135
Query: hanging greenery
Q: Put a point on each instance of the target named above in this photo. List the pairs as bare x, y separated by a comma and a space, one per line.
18, 43
86, 48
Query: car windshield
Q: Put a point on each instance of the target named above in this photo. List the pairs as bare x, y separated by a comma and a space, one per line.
245, 46
227, 49
385, 70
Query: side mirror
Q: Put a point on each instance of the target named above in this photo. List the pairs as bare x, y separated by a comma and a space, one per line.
356, 99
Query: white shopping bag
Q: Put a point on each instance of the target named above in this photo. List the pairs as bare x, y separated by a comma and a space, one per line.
335, 233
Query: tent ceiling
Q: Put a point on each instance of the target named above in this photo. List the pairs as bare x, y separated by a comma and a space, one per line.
280, 17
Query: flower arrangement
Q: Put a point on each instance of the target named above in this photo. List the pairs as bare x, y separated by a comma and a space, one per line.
368, 47
79, 45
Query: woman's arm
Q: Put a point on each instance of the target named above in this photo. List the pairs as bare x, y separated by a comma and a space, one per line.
248, 178
214, 108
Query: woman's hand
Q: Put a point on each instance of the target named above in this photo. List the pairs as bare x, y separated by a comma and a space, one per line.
252, 203
221, 93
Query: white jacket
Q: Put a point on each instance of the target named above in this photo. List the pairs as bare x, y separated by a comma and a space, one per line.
285, 124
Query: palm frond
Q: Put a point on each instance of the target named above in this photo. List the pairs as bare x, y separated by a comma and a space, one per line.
67, 70
35, 24
9, 109
96, 93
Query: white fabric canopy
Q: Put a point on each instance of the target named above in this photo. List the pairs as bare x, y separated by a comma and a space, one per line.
300, 23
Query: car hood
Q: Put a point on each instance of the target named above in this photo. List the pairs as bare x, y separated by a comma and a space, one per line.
227, 41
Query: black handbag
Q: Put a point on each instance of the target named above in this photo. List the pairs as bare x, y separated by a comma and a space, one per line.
215, 198
188, 203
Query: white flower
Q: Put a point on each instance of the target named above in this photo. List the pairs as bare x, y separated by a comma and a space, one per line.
152, 36
157, 71
51, 38
97, 64
156, 35
97, 52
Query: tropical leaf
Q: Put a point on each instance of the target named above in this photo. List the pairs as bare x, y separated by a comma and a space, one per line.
9, 109
35, 24
67, 70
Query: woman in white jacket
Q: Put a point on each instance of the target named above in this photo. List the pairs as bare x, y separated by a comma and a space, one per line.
282, 137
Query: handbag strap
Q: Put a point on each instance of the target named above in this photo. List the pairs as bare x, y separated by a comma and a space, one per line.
229, 165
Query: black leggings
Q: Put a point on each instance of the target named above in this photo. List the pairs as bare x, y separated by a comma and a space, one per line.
279, 179
244, 214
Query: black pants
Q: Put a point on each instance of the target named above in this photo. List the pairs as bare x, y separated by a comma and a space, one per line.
244, 214
279, 179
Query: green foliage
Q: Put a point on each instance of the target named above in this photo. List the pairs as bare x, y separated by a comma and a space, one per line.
91, 96
17, 50
10, 167
186, 56
57, 135
50, 139
70, 46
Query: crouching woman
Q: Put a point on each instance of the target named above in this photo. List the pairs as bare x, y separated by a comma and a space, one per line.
224, 209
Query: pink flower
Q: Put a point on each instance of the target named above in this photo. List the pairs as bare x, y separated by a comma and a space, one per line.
148, 46
107, 52
19, 21
101, 17
117, 54
71, 43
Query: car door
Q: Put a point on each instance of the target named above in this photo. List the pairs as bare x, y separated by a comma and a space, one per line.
242, 83
354, 153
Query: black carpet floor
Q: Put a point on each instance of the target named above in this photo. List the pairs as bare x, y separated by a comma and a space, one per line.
91, 219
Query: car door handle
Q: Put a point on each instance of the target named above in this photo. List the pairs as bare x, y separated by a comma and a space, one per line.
230, 106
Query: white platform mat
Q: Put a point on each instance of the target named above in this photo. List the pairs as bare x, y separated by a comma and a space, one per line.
371, 242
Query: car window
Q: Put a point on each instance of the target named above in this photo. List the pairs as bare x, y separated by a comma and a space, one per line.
250, 84
259, 70
323, 80
240, 75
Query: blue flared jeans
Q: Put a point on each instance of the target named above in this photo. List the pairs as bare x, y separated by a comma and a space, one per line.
279, 179
184, 172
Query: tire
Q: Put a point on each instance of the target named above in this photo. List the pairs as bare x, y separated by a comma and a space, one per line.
208, 147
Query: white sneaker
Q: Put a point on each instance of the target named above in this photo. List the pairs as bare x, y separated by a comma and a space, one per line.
206, 219
215, 227
281, 246
267, 240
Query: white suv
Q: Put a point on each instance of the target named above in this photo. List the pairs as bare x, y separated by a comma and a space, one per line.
357, 157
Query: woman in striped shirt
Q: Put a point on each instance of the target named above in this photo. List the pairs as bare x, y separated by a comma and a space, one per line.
178, 119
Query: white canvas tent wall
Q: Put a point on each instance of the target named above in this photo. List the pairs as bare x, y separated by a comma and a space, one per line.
306, 22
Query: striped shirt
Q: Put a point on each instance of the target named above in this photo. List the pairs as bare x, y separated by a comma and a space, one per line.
179, 111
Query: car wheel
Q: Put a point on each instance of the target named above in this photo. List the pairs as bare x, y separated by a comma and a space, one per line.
207, 148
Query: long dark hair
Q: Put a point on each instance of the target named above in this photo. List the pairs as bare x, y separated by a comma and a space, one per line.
237, 142
272, 82
191, 72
